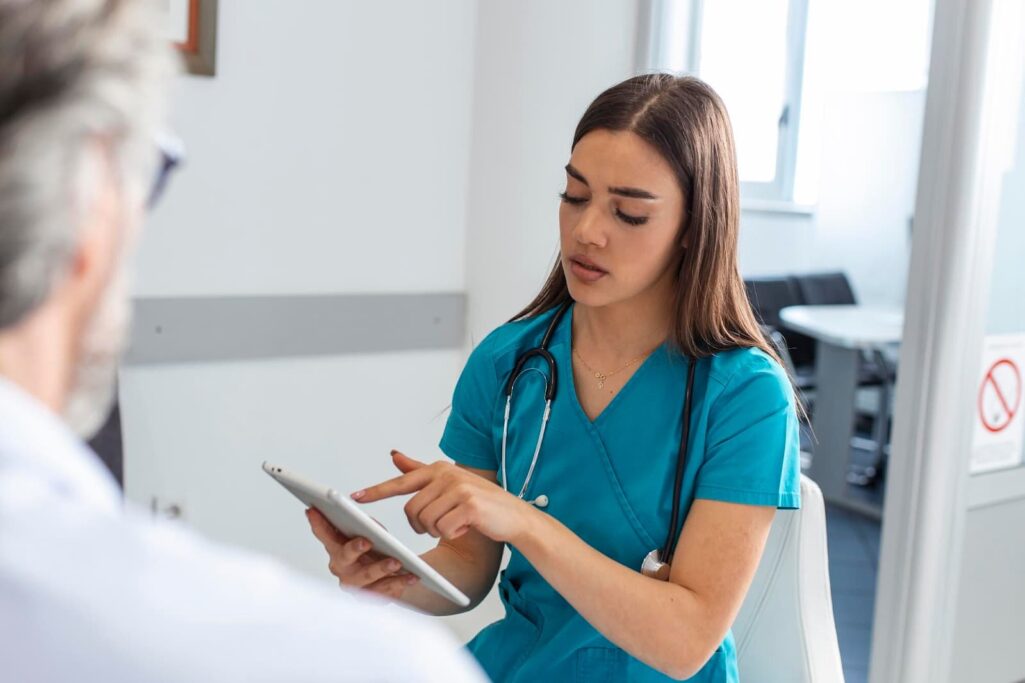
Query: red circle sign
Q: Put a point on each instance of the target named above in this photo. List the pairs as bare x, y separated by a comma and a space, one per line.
1000, 395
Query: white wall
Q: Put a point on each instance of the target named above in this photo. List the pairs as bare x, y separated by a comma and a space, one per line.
1006, 306
328, 156
539, 64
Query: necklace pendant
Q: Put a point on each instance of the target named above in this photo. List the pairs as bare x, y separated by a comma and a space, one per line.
601, 384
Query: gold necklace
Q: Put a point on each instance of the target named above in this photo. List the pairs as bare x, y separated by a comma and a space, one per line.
602, 376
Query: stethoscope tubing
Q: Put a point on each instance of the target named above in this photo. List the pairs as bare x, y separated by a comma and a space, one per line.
550, 389
681, 460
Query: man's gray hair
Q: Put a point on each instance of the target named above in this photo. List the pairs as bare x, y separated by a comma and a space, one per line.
72, 72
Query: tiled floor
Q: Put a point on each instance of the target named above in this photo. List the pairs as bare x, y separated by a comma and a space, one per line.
853, 563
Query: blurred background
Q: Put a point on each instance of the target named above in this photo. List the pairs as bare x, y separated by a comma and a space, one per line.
371, 187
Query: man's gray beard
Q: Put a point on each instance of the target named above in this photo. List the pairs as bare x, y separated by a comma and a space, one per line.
94, 386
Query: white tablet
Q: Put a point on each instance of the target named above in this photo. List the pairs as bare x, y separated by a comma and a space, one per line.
348, 518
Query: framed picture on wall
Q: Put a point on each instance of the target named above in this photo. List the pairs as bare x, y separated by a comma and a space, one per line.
192, 28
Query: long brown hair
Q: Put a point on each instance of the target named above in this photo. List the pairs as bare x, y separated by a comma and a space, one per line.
684, 119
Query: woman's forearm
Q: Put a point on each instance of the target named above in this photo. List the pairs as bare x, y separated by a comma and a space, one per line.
467, 573
658, 622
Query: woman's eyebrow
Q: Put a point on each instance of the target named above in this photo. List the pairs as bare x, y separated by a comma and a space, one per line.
632, 192
576, 174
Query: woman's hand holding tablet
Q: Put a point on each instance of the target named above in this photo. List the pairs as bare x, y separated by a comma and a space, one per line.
356, 564
363, 553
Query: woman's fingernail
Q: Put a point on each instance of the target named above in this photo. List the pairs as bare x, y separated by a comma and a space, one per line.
362, 545
393, 565
359, 494
411, 579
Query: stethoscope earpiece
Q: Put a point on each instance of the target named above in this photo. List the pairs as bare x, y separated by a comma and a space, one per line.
540, 501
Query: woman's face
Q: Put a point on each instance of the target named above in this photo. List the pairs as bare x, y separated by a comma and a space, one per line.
619, 220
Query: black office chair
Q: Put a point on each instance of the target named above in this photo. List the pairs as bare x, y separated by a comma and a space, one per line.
768, 296
821, 289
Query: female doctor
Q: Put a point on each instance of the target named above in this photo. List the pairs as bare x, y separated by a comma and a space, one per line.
670, 440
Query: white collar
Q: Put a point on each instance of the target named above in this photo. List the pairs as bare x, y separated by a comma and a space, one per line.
32, 437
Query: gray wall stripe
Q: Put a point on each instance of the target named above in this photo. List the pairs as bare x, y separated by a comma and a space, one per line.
197, 329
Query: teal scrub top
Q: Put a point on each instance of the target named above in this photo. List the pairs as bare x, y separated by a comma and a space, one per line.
610, 481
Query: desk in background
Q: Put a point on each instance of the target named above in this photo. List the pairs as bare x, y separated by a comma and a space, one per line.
842, 333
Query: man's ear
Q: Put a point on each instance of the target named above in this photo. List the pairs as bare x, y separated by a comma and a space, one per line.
99, 216
89, 261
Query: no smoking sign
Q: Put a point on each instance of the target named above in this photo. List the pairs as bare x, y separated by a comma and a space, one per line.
1000, 395
999, 423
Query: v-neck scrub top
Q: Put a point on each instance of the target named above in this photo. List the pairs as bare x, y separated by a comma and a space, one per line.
610, 480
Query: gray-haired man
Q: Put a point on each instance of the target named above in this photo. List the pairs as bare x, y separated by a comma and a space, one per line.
89, 591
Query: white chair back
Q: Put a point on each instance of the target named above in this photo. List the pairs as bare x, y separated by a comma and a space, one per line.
785, 631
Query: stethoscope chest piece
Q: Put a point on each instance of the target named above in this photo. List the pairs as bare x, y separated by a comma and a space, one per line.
654, 567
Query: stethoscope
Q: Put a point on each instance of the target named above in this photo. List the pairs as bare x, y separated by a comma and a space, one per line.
656, 562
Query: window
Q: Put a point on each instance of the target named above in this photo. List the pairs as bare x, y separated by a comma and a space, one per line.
781, 66
752, 53
755, 65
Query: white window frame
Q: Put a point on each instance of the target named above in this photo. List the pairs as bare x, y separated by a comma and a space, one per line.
674, 43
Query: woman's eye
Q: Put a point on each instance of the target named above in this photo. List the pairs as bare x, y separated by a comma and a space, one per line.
569, 199
631, 220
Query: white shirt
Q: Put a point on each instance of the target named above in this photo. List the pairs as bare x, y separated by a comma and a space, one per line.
93, 591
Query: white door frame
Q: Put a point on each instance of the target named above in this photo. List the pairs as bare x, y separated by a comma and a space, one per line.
948, 286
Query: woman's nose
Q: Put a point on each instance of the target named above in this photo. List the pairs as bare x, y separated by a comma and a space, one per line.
590, 229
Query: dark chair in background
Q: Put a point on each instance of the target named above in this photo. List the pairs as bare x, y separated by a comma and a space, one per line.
822, 289
768, 296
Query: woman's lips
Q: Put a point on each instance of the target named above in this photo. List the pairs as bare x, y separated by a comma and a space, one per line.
585, 271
